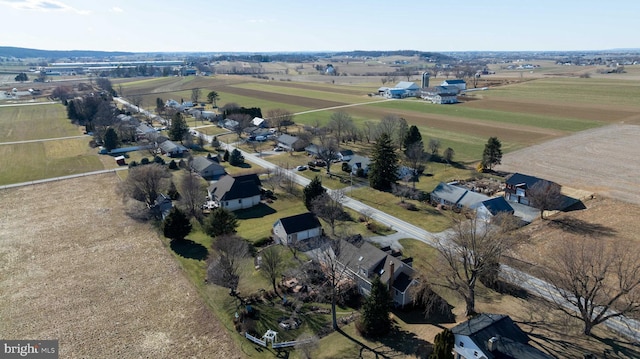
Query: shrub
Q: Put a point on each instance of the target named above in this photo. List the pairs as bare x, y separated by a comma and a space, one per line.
144, 161
173, 165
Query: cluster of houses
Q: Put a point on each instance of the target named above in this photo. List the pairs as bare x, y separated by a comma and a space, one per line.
515, 199
446, 93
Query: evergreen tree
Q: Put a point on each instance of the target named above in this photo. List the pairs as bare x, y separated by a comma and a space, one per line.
220, 221
443, 345
413, 136
236, 158
492, 154
173, 192
110, 139
178, 128
225, 156
312, 191
22, 77
72, 111
215, 143
176, 225
383, 170
375, 320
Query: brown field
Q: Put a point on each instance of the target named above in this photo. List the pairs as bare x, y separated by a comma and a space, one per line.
74, 267
602, 160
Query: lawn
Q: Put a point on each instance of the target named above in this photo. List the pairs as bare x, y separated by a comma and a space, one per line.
20, 123
38, 160
327, 93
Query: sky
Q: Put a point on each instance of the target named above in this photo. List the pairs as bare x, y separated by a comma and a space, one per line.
327, 25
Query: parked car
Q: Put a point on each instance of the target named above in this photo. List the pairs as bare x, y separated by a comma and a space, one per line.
278, 149
301, 168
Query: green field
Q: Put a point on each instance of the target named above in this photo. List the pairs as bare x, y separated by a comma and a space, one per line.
20, 123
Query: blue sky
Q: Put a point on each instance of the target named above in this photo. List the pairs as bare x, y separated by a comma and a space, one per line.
281, 25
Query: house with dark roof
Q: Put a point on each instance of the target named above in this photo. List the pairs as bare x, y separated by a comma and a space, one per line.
492, 207
207, 168
359, 162
293, 229
345, 155
291, 143
363, 261
237, 192
517, 186
493, 336
162, 205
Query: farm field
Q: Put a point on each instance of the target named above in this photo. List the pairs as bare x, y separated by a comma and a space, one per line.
599, 160
20, 123
112, 288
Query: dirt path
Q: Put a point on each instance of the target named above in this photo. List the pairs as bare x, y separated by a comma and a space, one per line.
73, 267
603, 160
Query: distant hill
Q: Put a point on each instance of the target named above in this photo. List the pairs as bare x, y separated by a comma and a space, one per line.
22, 53
376, 53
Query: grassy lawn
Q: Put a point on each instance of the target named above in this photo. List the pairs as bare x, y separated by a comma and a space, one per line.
19, 123
39, 160
319, 93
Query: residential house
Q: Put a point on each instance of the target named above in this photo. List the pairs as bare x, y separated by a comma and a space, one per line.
488, 209
493, 336
120, 160
144, 131
359, 162
345, 155
450, 195
162, 205
294, 229
172, 149
208, 169
230, 124
440, 94
233, 193
259, 122
291, 143
517, 186
364, 261
459, 83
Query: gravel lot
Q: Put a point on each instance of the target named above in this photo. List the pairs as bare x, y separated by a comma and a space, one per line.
73, 267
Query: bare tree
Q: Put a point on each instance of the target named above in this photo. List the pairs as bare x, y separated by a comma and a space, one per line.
335, 262
145, 183
243, 120
328, 206
192, 193
279, 118
224, 266
394, 126
271, 265
415, 158
136, 100
434, 146
448, 155
338, 123
306, 344
328, 149
469, 251
368, 130
545, 195
598, 280
195, 95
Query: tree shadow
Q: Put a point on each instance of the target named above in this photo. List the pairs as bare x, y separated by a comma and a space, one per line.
259, 211
580, 227
405, 343
619, 347
189, 249
442, 312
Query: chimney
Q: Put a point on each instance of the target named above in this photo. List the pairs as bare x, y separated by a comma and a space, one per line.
391, 273
492, 344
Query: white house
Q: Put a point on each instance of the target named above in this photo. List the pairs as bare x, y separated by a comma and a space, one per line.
492, 336
237, 192
459, 83
440, 94
359, 162
345, 155
293, 229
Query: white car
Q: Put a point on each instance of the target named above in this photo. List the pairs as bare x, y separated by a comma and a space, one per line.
301, 168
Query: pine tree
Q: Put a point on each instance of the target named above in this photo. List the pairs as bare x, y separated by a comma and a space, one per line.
492, 154
225, 157
236, 158
176, 225
443, 345
110, 139
375, 320
413, 136
312, 191
178, 128
221, 221
383, 170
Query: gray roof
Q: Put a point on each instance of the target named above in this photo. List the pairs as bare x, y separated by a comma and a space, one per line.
359, 161
201, 163
407, 85
497, 204
483, 327
170, 147
519, 179
287, 139
457, 195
